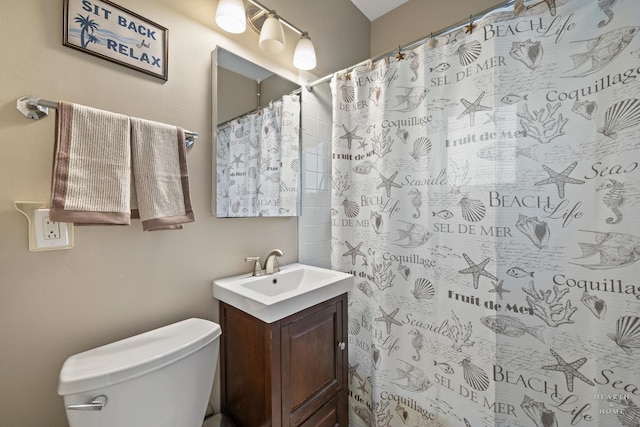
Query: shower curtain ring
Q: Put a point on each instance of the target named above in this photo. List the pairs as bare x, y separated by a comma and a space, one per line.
431, 43
370, 64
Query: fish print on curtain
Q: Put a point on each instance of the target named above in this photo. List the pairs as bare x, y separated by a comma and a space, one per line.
486, 196
257, 162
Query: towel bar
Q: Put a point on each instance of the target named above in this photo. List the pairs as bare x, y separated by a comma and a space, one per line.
35, 108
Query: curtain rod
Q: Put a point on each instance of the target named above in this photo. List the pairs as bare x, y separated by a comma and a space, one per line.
258, 109
35, 108
416, 43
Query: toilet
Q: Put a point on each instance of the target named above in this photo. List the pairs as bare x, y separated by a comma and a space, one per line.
161, 378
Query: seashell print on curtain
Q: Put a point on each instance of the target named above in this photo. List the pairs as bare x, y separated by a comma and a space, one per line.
486, 195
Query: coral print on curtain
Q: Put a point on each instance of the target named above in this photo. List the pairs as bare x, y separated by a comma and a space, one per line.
486, 196
257, 162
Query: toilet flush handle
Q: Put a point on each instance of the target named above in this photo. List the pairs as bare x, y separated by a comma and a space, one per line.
96, 404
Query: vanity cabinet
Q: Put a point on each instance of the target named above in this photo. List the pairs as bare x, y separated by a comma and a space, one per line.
292, 372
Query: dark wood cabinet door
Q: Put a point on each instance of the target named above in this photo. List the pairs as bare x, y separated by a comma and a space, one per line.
313, 355
327, 416
287, 373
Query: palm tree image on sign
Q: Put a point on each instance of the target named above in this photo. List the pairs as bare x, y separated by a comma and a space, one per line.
86, 24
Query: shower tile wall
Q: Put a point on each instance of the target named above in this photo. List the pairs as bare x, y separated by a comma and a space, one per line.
314, 226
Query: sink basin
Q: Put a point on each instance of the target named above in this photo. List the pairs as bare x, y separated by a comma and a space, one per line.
273, 297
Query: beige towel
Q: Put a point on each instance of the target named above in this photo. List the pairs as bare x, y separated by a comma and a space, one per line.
160, 175
92, 166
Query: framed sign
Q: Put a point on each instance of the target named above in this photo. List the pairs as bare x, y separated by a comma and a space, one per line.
104, 29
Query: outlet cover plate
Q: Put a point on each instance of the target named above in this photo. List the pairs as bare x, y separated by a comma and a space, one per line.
49, 234
44, 234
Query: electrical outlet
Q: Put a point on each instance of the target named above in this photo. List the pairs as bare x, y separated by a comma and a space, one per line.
49, 234
51, 229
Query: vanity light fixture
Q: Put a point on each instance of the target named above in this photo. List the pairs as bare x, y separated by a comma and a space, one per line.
230, 16
272, 35
304, 57
269, 25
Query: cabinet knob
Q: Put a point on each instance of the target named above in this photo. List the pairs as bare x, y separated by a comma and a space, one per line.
342, 345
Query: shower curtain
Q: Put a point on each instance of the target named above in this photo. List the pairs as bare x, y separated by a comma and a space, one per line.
257, 162
486, 198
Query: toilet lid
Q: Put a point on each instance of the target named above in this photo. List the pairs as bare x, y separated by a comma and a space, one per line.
135, 356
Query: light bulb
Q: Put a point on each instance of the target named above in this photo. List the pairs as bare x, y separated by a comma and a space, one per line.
304, 57
272, 35
230, 16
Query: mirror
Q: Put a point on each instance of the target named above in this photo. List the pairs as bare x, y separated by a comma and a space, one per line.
257, 134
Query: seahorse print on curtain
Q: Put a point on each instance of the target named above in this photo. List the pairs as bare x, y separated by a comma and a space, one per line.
613, 198
486, 197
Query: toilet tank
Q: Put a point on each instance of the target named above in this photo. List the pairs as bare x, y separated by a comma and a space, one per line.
161, 378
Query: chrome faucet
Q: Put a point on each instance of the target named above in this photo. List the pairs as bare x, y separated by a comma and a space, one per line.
270, 265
